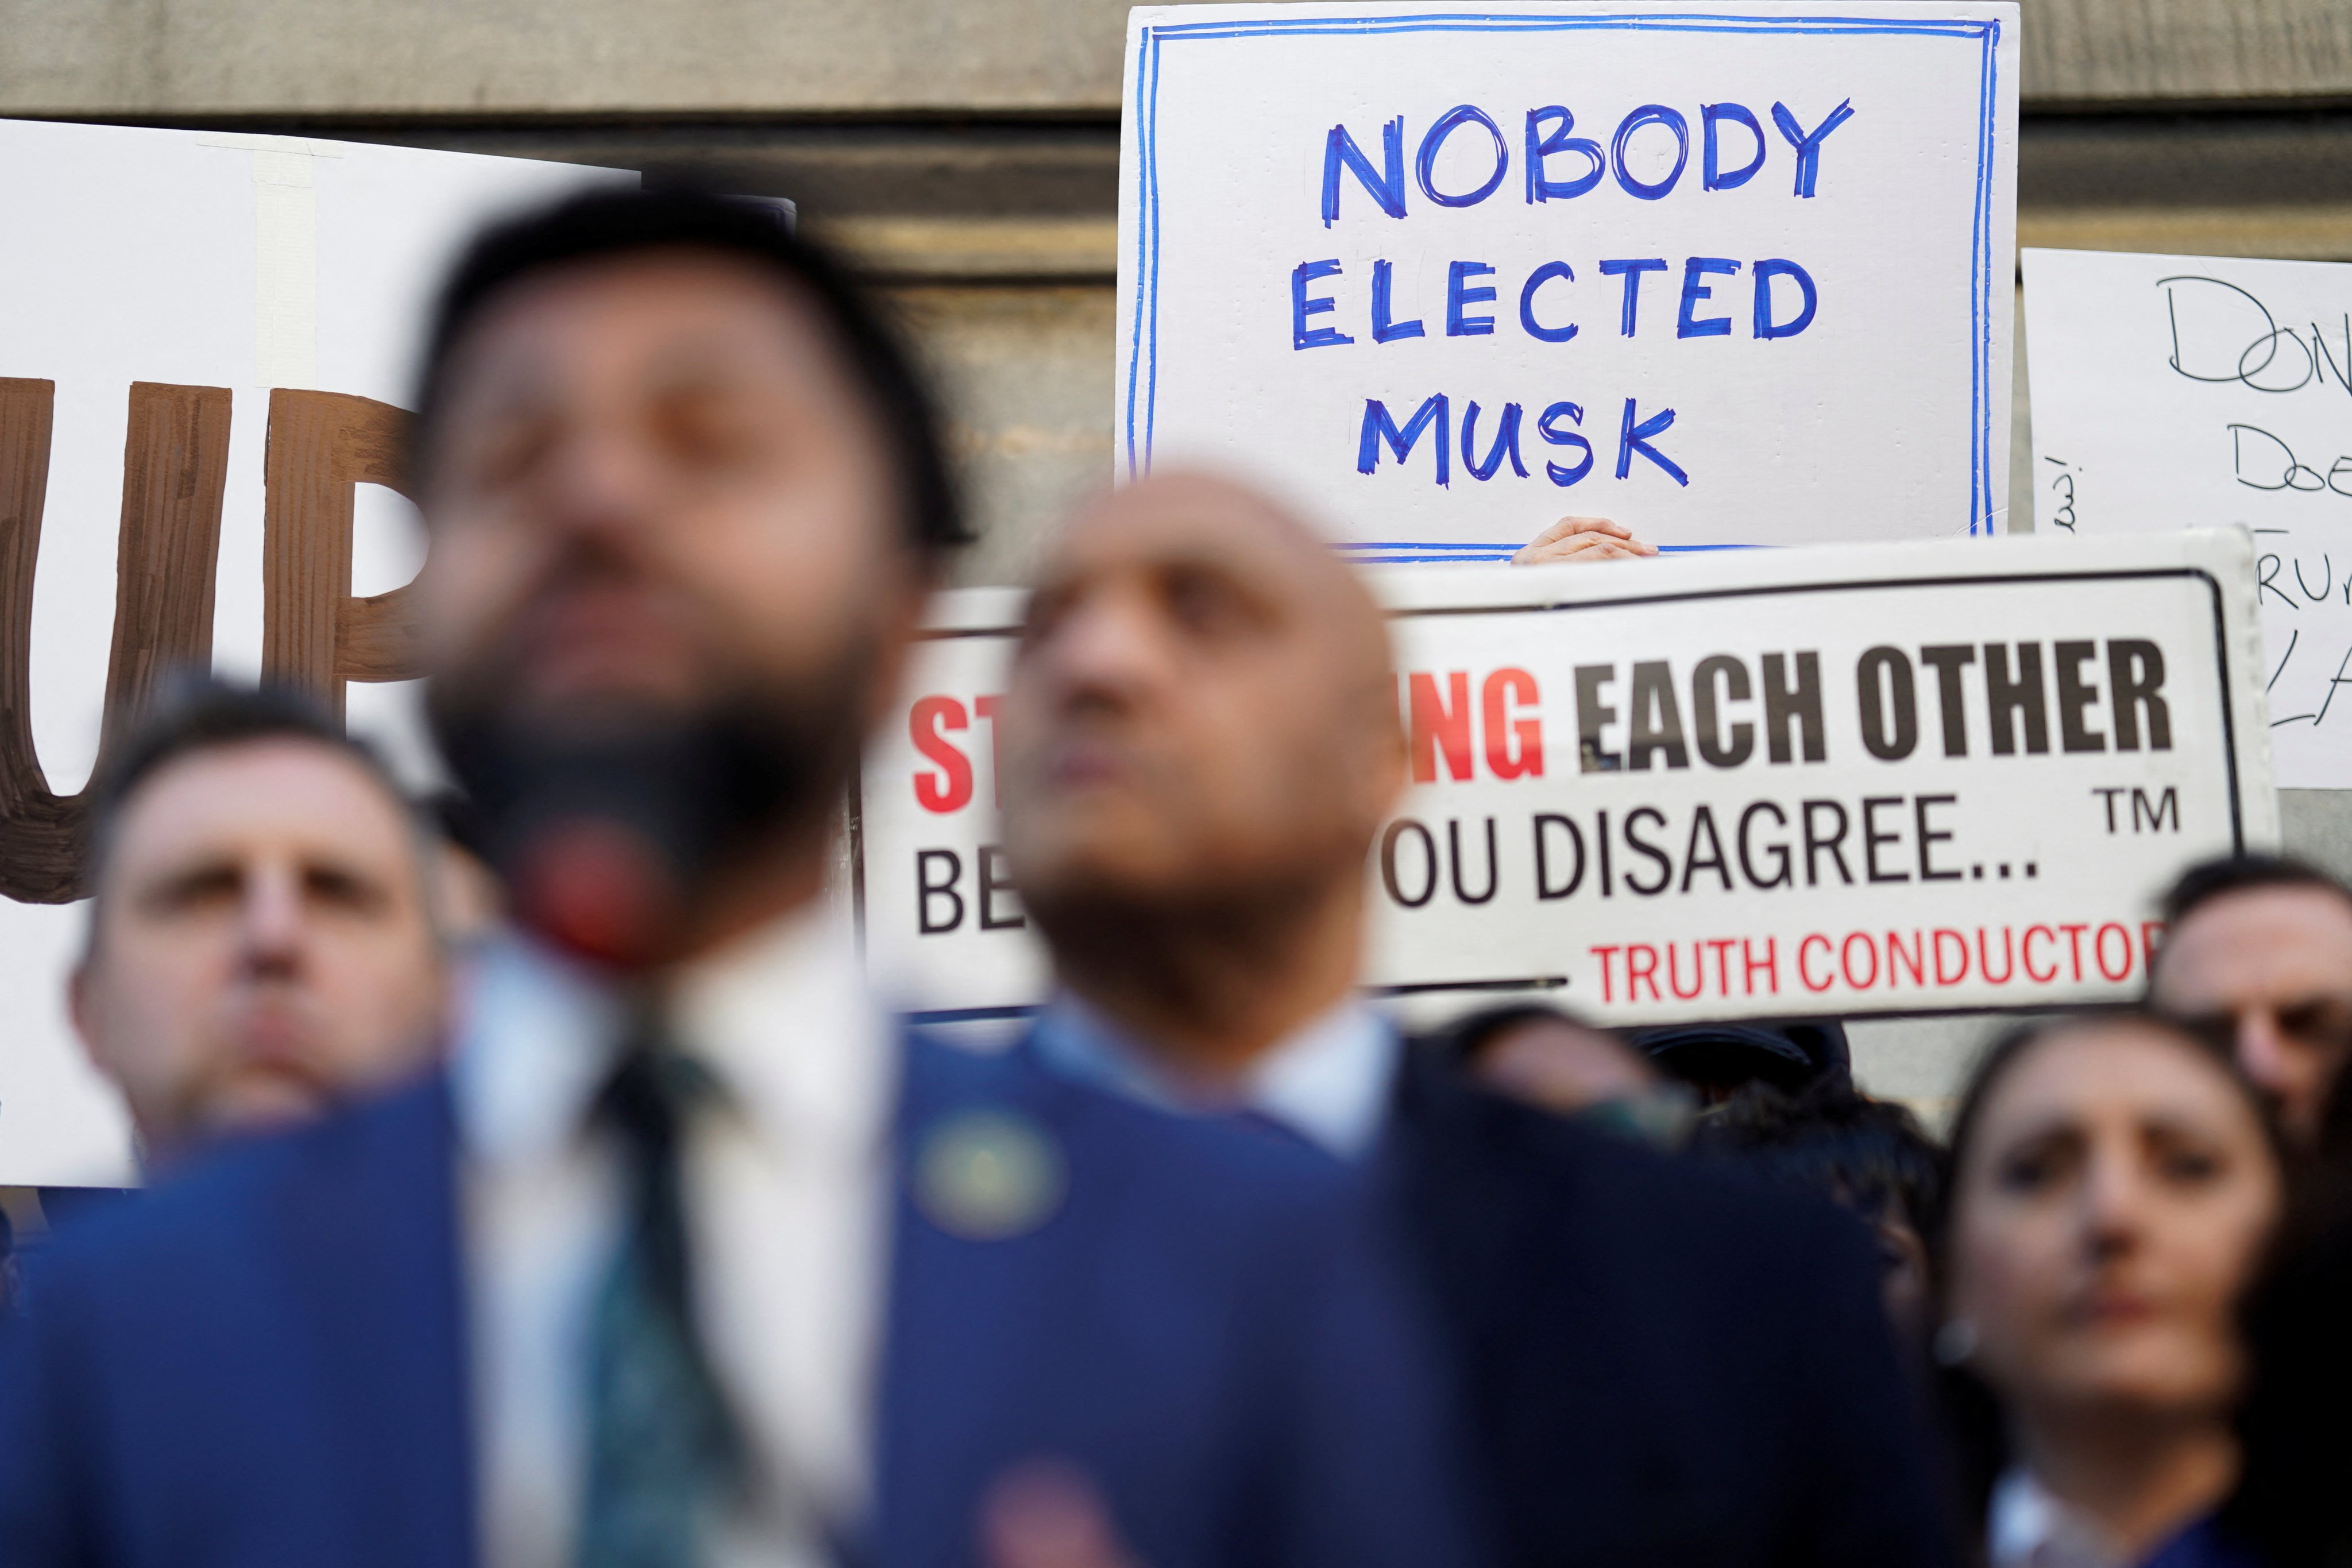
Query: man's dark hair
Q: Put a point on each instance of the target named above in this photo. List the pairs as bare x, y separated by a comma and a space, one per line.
1788, 1055
605, 224
2218, 877
203, 715
1467, 1039
1867, 1155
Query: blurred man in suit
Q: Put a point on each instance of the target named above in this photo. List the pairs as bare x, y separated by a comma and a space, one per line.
264, 940
1199, 743
689, 1257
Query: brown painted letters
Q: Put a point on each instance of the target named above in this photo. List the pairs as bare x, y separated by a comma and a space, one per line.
315, 635
175, 466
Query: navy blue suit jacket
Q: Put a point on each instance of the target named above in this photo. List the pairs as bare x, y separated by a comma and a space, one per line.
1664, 1366
265, 1361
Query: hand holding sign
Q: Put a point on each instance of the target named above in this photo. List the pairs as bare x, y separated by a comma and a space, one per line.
1581, 539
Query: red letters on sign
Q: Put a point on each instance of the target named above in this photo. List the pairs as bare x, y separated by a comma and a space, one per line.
950, 789
1503, 689
1436, 725
1441, 722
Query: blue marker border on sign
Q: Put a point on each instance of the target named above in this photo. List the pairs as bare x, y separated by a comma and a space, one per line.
1143, 353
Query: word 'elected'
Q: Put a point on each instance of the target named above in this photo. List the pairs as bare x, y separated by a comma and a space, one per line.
1582, 164
1770, 315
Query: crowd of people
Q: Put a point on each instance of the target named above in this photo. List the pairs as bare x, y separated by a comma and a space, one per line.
531, 1180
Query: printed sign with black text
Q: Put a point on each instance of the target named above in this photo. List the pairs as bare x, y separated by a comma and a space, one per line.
1936, 777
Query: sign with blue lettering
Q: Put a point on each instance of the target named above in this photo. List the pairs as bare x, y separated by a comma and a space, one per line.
2198, 391
1737, 275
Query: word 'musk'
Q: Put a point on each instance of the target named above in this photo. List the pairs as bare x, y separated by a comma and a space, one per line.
1556, 165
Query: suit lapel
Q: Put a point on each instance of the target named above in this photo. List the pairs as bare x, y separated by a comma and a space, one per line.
375, 1238
960, 1357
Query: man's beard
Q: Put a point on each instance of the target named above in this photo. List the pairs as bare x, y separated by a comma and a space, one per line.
1181, 943
611, 822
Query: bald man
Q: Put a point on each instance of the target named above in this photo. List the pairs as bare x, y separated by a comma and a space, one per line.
1199, 743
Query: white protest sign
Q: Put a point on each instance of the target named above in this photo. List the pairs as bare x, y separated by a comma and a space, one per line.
2193, 392
1738, 274
156, 288
1881, 779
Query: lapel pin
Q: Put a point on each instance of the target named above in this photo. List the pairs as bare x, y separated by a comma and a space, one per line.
988, 1175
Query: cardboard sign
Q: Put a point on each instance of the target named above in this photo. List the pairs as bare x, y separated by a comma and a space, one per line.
204, 338
1940, 777
2194, 392
1733, 275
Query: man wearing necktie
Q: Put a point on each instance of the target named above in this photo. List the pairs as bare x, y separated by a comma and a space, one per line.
690, 1257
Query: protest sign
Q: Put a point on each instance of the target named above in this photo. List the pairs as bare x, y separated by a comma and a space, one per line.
2196, 391
1881, 779
1734, 274
207, 336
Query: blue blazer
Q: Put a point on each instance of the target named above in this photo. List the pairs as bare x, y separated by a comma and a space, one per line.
264, 1362
1661, 1364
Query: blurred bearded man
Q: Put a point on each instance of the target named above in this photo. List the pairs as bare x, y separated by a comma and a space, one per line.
691, 1257
1199, 744
264, 937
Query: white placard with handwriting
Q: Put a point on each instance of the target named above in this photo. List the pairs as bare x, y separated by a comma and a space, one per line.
1732, 273
196, 264
2193, 392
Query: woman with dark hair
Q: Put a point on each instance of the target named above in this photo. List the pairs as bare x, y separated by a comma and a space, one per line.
2113, 1184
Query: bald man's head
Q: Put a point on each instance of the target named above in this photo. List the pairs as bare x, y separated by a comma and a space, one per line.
1202, 710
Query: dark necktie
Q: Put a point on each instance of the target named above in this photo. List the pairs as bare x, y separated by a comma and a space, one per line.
665, 1456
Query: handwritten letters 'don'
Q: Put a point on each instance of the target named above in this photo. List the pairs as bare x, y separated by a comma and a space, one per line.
2196, 392
1737, 275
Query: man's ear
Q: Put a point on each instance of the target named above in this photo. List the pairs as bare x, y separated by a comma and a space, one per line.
898, 621
81, 1007
1381, 758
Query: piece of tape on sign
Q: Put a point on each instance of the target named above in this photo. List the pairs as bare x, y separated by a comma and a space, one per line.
285, 255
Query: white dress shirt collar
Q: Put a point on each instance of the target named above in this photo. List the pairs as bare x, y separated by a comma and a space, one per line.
538, 1038
789, 1199
2029, 1528
1328, 1081
523, 1087
784, 1020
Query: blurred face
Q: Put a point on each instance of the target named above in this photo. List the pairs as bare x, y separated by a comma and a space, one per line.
1200, 705
1561, 1065
2108, 1211
1902, 1271
262, 945
656, 491
2270, 970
